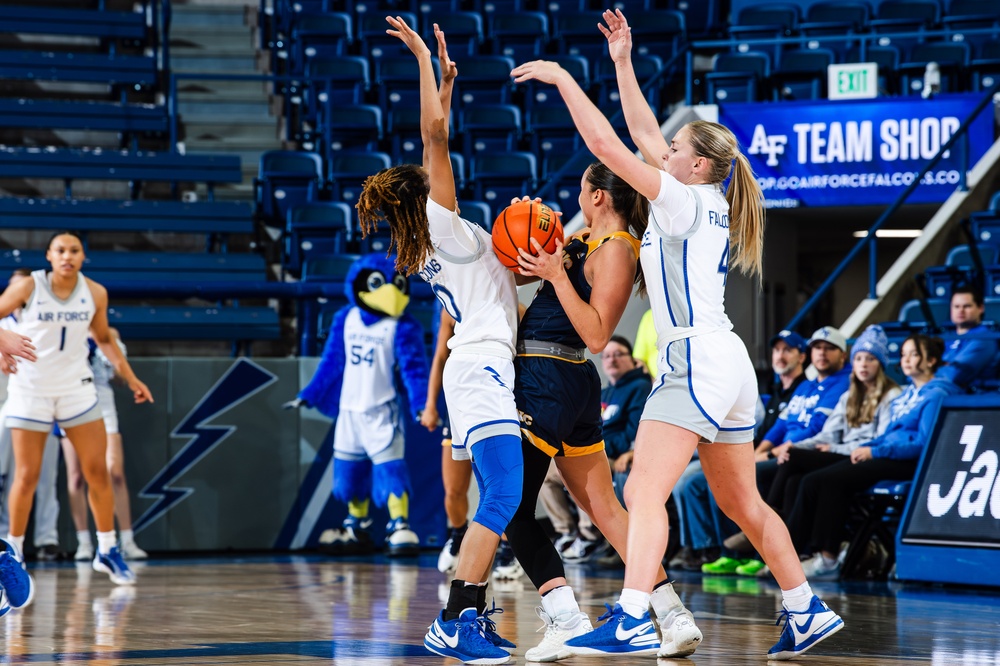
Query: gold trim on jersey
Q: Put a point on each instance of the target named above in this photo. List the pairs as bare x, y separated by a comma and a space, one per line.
557, 358
540, 443
592, 245
577, 451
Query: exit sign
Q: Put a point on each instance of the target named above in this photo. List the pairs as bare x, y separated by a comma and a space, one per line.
857, 80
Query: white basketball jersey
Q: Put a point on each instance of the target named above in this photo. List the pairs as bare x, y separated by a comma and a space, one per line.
686, 273
103, 371
370, 356
475, 289
58, 329
8, 323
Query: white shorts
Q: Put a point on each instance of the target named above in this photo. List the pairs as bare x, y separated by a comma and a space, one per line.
479, 390
375, 434
707, 386
39, 413
106, 401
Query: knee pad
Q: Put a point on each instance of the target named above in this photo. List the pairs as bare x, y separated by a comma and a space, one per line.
352, 479
499, 471
389, 478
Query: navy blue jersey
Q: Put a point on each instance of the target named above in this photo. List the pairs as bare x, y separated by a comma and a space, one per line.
545, 319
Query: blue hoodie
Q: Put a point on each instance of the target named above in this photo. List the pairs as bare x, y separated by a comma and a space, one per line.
968, 356
621, 407
912, 420
809, 408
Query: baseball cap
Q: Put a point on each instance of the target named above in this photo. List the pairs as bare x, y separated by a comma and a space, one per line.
791, 338
831, 335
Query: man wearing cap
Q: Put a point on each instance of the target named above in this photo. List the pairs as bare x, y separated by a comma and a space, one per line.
788, 355
813, 401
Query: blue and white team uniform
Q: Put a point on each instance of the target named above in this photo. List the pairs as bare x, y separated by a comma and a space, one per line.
480, 294
707, 383
59, 386
104, 372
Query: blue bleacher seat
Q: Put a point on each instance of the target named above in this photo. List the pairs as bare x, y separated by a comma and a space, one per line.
101, 23
328, 267
887, 60
399, 80
521, 36
986, 226
737, 77
552, 131
913, 313
319, 36
961, 256
98, 116
986, 68
464, 31
658, 32
484, 80
341, 79
374, 41
179, 322
644, 66
327, 221
992, 309
802, 74
952, 59
880, 510
115, 71
575, 33
839, 18
497, 179
354, 128
477, 212
904, 16
285, 179
348, 171
540, 94
110, 266
941, 281
490, 129
762, 21
566, 186
992, 281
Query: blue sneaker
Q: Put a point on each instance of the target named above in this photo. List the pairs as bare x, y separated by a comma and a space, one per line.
490, 628
463, 639
114, 565
18, 586
621, 634
804, 630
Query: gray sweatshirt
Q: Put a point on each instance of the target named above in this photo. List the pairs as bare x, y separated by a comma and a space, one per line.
841, 437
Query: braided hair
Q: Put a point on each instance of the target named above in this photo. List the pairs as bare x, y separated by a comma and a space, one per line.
399, 196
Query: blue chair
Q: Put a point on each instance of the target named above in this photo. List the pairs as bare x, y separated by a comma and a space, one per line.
552, 131
904, 16
497, 179
961, 256
658, 32
887, 60
952, 59
490, 128
484, 80
566, 184
521, 35
399, 81
645, 67
802, 74
371, 33
321, 225
353, 128
839, 18
575, 33
477, 212
764, 21
348, 172
939, 311
941, 281
342, 79
285, 179
319, 35
464, 31
537, 94
737, 77
965, 15
986, 68
986, 226
879, 511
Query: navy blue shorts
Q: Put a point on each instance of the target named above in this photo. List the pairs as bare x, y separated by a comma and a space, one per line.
559, 404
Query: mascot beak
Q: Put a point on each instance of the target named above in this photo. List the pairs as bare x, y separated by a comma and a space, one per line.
387, 298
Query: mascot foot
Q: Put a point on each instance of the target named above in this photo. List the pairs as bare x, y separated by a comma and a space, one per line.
400, 540
350, 539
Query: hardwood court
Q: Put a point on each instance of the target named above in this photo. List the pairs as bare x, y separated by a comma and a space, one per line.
311, 610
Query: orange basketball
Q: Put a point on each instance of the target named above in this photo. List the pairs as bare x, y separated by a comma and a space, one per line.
517, 224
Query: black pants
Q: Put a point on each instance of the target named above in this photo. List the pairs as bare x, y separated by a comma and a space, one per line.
819, 517
788, 476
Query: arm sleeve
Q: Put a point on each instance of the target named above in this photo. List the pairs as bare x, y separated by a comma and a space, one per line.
450, 233
412, 362
832, 431
323, 391
672, 213
910, 444
969, 362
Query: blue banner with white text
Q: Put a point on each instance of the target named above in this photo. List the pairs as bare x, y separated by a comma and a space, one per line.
859, 152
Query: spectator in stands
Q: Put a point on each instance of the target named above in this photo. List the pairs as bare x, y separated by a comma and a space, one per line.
76, 485
819, 517
862, 414
702, 526
622, 401
971, 354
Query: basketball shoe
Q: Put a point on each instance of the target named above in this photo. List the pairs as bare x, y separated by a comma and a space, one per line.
507, 567
18, 585
114, 565
490, 628
804, 630
448, 559
400, 540
679, 635
557, 632
621, 634
351, 538
463, 639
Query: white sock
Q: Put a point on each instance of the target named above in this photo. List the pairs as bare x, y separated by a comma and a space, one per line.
105, 542
83, 538
560, 603
634, 602
126, 536
797, 599
18, 542
664, 600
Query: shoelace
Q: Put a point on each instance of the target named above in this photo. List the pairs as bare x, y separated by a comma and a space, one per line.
488, 625
609, 615
783, 615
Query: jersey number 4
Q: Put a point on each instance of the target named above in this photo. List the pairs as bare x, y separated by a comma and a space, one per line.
359, 355
724, 265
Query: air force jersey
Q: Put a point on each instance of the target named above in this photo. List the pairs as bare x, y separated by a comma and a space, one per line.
58, 329
686, 263
474, 287
370, 355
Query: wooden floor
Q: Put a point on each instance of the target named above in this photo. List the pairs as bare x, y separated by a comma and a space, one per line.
310, 610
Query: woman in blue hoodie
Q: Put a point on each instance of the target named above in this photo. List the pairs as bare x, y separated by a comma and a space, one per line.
819, 517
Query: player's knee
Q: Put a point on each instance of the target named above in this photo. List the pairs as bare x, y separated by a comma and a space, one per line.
502, 467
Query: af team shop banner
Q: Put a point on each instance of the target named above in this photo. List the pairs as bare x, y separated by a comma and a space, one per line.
861, 152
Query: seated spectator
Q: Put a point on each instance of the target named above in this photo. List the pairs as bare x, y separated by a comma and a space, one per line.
818, 521
861, 415
970, 356
788, 357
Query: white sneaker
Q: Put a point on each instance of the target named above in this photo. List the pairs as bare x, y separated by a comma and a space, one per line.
448, 559
679, 635
508, 570
817, 568
130, 551
84, 552
553, 645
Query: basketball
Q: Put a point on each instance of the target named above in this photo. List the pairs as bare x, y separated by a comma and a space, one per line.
517, 224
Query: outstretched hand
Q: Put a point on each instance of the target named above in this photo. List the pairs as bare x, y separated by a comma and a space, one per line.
542, 265
140, 392
413, 41
537, 200
539, 70
15, 344
619, 35
448, 68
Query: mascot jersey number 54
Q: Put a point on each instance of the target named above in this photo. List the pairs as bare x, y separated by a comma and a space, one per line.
369, 340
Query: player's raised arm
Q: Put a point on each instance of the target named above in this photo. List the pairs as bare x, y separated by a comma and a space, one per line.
433, 122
